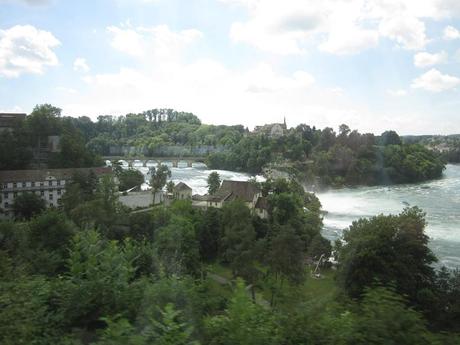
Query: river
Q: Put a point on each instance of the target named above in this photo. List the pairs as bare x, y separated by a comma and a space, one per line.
440, 199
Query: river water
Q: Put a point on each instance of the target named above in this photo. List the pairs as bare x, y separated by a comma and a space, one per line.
440, 199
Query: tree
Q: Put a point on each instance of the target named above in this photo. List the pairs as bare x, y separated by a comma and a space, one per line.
319, 246
27, 205
239, 237
390, 138
129, 179
209, 233
390, 249
244, 323
385, 319
213, 182
170, 187
159, 178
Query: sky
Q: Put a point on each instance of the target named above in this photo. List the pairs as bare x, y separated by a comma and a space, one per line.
372, 64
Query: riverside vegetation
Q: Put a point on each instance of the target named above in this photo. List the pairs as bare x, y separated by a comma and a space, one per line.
93, 273
313, 156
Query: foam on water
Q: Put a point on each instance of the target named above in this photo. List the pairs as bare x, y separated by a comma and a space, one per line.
440, 199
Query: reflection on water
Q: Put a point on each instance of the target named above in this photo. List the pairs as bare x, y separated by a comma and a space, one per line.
440, 200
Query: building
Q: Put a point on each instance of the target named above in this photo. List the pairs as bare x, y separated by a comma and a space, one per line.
49, 184
8, 121
245, 191
182, 192
273, 130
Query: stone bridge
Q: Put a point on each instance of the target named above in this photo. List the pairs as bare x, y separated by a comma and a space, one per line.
159, 160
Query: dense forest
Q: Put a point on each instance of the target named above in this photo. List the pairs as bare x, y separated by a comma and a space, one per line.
94, 273
313, 156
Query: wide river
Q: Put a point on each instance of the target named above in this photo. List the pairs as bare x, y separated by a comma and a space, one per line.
440, 199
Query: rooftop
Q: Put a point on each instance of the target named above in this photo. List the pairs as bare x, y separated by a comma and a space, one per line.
47, 174
182, 186
231, 190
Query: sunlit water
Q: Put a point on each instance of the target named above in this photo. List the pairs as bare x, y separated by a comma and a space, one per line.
440, 199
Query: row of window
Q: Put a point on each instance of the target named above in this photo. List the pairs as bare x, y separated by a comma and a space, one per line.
32, 184
6, 195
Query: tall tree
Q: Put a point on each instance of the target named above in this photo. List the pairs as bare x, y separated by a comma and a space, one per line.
159, 178
213, 182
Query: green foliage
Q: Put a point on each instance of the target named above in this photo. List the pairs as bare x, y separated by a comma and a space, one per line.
98, 282
167, 331
243, 323
27, 205
159, 178
390, 249
213, 182
130, 178
239, 237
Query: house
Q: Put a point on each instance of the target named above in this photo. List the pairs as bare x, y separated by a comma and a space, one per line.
49, 184
182, 191
232, 190
8, 121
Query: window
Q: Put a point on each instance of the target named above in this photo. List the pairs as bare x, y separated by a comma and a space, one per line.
23, 185
59, 192
7, 205
51, 204
50, 196
41, 184
5, 195
50, 183
42, 193
15, 185
32, 184
5, 185
15, 194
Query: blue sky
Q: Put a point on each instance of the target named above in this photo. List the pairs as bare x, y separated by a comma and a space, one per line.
373, 64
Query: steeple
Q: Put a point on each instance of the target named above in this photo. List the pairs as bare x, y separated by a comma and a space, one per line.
285, 127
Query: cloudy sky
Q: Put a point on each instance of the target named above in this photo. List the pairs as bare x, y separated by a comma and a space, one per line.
373, 64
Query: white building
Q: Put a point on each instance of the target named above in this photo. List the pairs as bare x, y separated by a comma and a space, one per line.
49, 184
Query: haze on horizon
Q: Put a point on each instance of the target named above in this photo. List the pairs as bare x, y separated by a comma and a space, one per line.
372, 64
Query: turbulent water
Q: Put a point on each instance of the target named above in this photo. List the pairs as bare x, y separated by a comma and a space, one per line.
194, 177
440, 199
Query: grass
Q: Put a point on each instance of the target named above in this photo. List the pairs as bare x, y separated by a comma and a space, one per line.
324, 288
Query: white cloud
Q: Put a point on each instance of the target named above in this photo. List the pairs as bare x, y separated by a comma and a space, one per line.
159, 41
26, 49
397, 93
424, 59
80, 65
349, 40
435, 81
451, 33
335, 26
408, 32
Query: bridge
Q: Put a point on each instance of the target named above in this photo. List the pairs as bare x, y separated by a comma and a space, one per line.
158, 160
